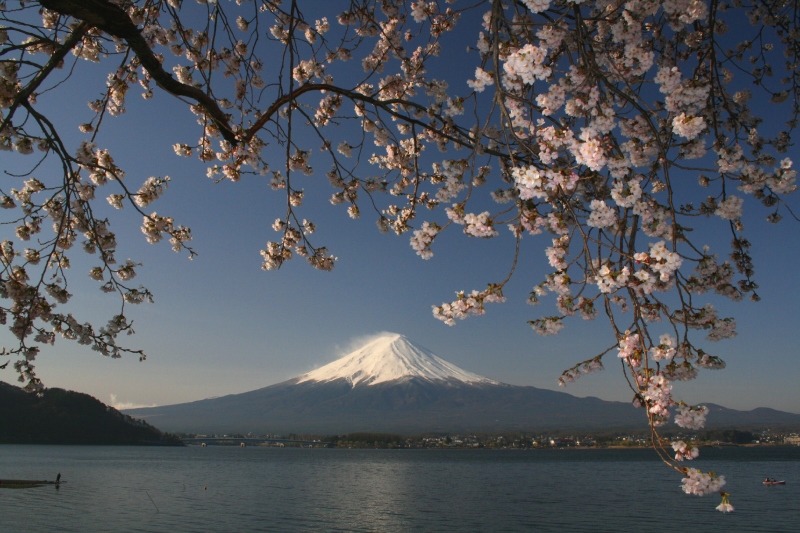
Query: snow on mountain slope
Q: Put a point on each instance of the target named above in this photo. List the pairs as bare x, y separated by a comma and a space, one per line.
389, 358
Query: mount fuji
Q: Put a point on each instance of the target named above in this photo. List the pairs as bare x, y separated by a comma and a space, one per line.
391, 358
391, 385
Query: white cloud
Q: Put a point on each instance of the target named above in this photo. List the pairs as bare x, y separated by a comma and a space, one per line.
125, 405
360, 341
354, 343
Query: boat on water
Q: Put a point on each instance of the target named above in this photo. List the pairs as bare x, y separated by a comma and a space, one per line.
26, 483
773, 482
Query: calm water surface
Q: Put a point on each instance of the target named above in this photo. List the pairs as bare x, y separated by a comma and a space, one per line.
269, 489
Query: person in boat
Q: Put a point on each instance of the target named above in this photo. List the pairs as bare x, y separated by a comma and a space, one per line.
766, 480
58, 478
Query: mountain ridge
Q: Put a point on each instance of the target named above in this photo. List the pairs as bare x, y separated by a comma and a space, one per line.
414, 391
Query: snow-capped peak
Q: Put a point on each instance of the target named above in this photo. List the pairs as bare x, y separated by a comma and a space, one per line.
389, 358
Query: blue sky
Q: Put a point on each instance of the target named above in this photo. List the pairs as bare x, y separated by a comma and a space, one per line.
220, 325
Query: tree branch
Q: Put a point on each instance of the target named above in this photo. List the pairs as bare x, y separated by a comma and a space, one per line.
111, 19
357, 96
56, 59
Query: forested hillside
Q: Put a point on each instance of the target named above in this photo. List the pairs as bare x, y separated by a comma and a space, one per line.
59, 416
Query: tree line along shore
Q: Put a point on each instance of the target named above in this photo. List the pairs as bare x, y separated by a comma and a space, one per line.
730, 437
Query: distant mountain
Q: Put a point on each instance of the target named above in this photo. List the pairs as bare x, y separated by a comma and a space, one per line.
387, 359
390, 385
59, 416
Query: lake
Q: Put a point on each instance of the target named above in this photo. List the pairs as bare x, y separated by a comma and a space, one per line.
227, 489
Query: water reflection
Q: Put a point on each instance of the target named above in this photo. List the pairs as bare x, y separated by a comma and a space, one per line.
257, 489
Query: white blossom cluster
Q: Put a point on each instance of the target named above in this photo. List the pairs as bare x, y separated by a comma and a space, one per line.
602, 216
691, 417
630, 347
725, 506
549, 325
657, 393
526, 65
701, 483
685, 451
730, 208
665, 350
422, 239
482, 80
537, 6
587, 367
468, 304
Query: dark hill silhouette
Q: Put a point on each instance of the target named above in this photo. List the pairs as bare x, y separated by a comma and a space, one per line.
59, 416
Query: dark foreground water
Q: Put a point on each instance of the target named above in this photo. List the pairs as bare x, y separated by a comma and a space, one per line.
268, 489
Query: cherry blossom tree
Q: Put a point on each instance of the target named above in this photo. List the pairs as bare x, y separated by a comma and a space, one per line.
614, 127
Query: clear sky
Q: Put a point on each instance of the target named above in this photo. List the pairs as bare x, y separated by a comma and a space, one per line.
221, 325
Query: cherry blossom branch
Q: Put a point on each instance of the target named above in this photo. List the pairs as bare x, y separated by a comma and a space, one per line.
113, 20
